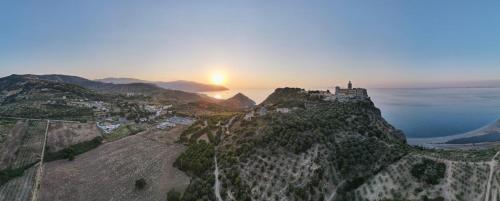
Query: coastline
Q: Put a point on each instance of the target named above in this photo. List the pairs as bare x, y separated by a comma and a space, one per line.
443, 142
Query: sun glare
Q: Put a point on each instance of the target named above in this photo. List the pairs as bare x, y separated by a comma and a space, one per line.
218, 79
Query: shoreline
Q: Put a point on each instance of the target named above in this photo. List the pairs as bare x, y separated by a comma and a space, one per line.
441, 142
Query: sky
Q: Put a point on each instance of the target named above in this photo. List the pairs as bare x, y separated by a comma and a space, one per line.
255, 44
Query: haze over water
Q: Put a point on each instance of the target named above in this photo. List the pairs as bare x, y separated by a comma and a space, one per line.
422, 112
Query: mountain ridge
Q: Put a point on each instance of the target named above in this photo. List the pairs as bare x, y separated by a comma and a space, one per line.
182, 85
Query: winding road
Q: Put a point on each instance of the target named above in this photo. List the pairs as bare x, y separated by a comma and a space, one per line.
216, 171
217, 183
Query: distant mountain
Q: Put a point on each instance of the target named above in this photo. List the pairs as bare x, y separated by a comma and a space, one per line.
130, 89
238, 101
29, 96
182, 85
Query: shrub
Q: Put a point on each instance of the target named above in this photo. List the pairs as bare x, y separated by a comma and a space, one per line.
140, 183
173, 195
76, 149
196, 159
429, 171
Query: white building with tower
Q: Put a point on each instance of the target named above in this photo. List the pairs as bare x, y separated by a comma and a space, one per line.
348, 93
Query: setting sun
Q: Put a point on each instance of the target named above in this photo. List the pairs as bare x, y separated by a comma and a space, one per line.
218, 79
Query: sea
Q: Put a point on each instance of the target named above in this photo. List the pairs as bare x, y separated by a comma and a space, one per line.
421, 113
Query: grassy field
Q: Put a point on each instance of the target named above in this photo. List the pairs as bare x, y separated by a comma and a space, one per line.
123, 131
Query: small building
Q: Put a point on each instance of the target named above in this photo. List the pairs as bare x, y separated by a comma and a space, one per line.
283, 110
181, 120
107, 127
166, 124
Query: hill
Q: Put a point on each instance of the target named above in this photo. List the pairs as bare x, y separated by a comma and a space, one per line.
181, 85
29, 96
295, 146
128, 89
238, 102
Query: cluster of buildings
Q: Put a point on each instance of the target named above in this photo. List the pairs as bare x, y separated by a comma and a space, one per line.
156, 110
345, 94
173, 121
107, 127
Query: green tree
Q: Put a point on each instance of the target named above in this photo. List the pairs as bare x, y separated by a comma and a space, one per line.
173, 195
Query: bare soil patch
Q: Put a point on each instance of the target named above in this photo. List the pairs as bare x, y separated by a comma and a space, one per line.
64, 134
109, 172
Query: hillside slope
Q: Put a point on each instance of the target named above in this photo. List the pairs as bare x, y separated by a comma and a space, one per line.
295, 146
130, 89
28, 96
181, 85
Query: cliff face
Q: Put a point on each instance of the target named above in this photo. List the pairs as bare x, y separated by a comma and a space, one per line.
305, 148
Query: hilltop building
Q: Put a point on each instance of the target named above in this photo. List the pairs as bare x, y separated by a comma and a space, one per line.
342, 95
350, 92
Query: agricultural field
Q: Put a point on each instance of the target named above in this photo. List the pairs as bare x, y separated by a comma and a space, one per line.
20, 152
19, 188
5, 126
64, 134
289, 175
109, 172
124, 131
461, 181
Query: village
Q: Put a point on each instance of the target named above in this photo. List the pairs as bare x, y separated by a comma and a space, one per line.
111, 116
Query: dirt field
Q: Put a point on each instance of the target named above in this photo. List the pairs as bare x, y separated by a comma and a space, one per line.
109, 172
12, 142
64, 134
23, 144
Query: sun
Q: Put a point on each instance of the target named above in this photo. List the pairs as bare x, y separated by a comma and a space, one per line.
218, 79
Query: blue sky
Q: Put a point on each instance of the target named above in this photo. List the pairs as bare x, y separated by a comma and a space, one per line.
255, 43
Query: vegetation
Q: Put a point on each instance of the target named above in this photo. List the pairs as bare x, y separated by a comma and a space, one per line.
11, 173
5, 126
429, 171
48, 111
206, 125
309, 150
140, 183
173, 195
74, 150
459, 155
123, 131
197, 159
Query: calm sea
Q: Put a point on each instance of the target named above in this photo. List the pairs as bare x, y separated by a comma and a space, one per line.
422, 112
